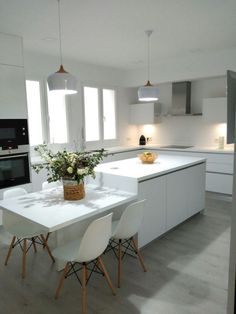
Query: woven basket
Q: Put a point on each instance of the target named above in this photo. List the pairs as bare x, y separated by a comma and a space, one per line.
73, 191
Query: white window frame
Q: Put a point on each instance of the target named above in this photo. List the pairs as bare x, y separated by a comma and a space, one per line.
45, 114
101, 142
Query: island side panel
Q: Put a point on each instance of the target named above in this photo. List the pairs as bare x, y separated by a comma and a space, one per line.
185, 194
154, 221
171, 199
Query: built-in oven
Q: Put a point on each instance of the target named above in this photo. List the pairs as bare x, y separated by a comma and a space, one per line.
14, 170
13, 133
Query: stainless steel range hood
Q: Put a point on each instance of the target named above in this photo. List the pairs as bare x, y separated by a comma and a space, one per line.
181, 99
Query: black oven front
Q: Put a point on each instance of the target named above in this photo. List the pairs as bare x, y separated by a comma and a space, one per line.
14, 170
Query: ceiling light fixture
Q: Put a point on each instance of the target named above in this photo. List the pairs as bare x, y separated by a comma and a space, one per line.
148, 92
61, 81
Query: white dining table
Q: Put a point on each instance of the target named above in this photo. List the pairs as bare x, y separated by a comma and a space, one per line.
69, 219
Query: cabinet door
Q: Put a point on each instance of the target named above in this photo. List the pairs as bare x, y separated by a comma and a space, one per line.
176, 203
195, 189
185, 194
143, 113
12, 92
220, 183
11, 51
154, 221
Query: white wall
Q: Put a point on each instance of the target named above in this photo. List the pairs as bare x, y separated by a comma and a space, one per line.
196, 130
40, 66
194, 66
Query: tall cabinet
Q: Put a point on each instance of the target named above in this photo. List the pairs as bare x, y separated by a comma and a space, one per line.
12, 78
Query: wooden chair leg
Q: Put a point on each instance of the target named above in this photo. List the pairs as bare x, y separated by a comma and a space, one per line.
47, 248
119, 263
24, 258
10, 250
47, 236
139, 254
84, 292
34, 245
61, 281
106, 275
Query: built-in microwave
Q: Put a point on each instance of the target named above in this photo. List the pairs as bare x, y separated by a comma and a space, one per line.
14, 170
13, 133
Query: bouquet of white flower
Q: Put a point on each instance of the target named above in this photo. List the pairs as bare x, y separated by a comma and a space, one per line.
68, 165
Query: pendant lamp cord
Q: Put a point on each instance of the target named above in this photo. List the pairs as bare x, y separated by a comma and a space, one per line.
59, 30
148, 33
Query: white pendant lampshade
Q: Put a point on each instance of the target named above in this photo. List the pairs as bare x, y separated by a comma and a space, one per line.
148, 92
61, 81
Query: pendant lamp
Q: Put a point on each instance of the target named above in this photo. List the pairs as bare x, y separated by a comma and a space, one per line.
61, 81
148, 92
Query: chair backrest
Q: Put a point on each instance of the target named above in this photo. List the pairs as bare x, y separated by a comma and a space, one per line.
14, 192
95, 239
130, 221
9, 219
49, 185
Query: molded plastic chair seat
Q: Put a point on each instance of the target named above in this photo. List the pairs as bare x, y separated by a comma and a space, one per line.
22, 231
68, 252
85, 251
25, 230
123, 232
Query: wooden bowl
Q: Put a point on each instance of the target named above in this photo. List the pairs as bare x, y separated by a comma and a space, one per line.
147, 157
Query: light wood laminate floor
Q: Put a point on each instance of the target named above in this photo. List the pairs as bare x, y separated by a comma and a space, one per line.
187, 274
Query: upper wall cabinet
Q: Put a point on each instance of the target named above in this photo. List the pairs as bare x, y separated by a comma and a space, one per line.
11, 50
12, 78
215, 109
144, 113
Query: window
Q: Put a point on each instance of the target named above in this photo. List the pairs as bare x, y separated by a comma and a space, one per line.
100, 114
109, 114
91, 110
34, 112
41, 129
57, 118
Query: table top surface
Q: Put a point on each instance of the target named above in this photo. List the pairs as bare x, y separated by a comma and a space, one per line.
49, 209
134, 168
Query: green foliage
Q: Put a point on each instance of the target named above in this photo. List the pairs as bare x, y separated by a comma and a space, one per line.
68, 165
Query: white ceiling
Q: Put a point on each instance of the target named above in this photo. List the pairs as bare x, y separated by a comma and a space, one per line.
111, 32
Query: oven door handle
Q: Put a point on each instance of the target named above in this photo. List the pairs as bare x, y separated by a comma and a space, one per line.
15, 156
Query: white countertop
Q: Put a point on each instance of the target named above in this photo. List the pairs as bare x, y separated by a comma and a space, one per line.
134, 168
49, 209
119, 149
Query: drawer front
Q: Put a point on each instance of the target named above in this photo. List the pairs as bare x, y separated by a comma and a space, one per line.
219, 167
220, 158
220, 183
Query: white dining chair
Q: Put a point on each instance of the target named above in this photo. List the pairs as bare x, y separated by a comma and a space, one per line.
22, 231
85, 254
123, 232
49, 185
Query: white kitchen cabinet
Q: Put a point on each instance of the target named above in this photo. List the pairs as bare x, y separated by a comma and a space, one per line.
154, 222
12, 93
11, 50
219, 169
185, 190
214, 110
220, 183
143, 113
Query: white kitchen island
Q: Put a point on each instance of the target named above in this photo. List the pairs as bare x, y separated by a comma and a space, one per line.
174, 187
